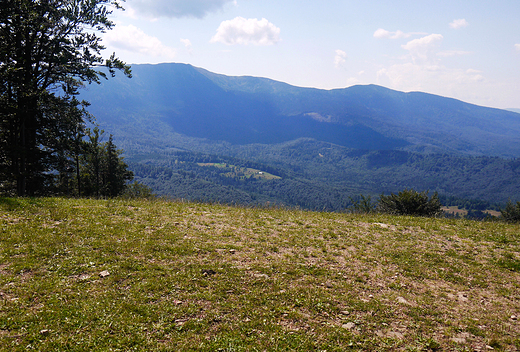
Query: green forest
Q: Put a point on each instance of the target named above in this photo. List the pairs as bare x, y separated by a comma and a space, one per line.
318, 176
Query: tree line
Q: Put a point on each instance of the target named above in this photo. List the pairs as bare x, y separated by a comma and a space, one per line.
49, 49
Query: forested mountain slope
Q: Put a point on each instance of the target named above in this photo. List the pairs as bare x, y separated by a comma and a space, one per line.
189, 133
244, 110
320, 176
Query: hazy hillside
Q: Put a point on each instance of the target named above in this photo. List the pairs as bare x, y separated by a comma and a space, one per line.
244, 110
323, 145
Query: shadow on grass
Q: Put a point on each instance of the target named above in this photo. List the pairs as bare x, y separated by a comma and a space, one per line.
10, 204
510, 262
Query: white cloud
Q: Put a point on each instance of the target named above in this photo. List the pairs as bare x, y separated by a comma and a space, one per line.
382, 33
423, 48
133, 39
477, 78
352, 81
129, 12
450, 53
340, 58
437, 79
247, 31
460, 23
178, 8
423, 43
424, 70
517, 46
187, 45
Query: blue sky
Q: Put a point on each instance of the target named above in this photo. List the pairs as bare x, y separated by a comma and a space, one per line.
468, 50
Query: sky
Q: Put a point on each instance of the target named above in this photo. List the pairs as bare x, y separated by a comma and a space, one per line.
463, 49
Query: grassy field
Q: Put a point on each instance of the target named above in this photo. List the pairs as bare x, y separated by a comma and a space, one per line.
114, 275
242, 172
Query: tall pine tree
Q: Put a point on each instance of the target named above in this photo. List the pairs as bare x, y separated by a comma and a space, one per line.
48, 49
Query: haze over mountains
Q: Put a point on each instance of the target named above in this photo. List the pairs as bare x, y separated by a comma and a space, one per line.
168, 108
245, 110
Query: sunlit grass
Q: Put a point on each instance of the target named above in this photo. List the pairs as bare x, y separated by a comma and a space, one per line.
97, 275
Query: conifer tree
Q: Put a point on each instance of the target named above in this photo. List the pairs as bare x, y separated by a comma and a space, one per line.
48, 50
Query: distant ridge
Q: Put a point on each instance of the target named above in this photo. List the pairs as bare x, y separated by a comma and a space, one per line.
192, 134
196, 103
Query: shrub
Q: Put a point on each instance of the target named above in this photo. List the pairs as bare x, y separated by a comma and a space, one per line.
362, 204
137, 190
410, 202
511, 213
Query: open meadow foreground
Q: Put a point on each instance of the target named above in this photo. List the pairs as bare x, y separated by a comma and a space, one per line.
149, 275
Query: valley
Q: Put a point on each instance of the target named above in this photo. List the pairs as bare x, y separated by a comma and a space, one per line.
323, 146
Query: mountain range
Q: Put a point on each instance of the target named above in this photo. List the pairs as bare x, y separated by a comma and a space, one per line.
244, 110
168, 109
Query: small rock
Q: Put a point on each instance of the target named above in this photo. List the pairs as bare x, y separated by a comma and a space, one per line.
104, 273
402, 300
370, 296
349, 326
489, 347
177, 302
232, 251
463, 297
460, 340
345, 312
329, 285
45, 332
514, 317
265, 276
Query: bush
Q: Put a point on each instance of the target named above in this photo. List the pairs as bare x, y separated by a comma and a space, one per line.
410, 202
511, 213
137, 190
362, 205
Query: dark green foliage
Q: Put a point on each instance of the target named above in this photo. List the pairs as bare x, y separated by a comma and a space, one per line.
478, 215
410, 202
511, 212
103, 171
182, 177
469, 204
137, 190
48, 49
509, 262
320, 176
363, 204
